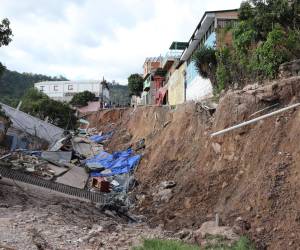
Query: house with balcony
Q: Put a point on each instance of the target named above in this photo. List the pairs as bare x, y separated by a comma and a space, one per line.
174, 88
209, 32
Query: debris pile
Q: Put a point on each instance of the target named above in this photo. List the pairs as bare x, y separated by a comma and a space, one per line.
78, 160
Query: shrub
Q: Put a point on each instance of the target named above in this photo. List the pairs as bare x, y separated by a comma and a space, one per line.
135, 84
41, 106
206, 62
277, 49
81, 99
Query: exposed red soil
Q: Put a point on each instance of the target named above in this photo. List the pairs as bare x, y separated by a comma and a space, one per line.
252, 172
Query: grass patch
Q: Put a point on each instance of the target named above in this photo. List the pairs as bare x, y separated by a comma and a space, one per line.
219, 243
154, 244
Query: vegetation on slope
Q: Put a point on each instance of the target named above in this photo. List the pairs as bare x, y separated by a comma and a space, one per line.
154, 244
40, 105
266, 35
5, 37
135, 84
13, 85
81, 99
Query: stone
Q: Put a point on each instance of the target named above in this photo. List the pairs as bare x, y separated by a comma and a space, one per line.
216, 147
259, 230
289, 69
228, 157
92, 240
167, 184
249, 208
165, 195
210, 228
183, 234
224, 185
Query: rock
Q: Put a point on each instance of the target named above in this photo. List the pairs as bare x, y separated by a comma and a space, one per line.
224, 185
167, 184
184, 234
92, 240
249, 208
289, 69
259, 230
228, 157
216, 147
251, 87
140, 197
210, 228
241, 226
164, 195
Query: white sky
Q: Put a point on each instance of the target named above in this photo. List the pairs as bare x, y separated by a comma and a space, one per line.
89, 39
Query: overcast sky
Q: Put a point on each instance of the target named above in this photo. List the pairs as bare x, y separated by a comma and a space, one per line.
88, 39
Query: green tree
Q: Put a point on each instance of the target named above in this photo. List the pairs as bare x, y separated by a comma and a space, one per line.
40, 105
81, 99
135, 84
267, 35
13, 85
5, 37
206, 62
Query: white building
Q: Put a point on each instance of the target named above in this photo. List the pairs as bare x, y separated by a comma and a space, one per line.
65, 90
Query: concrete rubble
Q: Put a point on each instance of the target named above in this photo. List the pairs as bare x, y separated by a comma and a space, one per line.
76, 159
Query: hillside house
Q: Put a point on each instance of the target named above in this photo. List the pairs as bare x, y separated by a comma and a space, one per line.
150, 66
174, 88
209, 32
65, 90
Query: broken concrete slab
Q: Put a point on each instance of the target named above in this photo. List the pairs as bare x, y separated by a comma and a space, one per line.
75, 177
57, 171
86, 149
58, 156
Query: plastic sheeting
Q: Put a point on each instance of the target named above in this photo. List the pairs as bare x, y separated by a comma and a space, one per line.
101, 138
120, 162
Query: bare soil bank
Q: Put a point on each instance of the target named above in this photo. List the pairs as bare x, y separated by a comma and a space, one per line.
252, 172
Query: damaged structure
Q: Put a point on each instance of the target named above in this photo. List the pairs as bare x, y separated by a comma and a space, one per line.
72, 162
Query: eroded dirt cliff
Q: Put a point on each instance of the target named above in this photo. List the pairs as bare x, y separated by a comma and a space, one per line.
251, 172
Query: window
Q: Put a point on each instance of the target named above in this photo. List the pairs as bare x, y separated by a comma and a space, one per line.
55, 88
223, 23
70, 87
42, 88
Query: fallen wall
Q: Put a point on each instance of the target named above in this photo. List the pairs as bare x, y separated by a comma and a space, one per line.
250, 173
32, 125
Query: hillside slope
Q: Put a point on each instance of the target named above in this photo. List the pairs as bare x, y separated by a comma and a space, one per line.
14, 84
252, 172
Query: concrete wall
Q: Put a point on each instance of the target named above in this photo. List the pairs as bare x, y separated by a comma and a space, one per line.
176, 86
33, 125
198, 89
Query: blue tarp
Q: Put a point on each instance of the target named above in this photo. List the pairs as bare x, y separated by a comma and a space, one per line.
120, 162
101, 138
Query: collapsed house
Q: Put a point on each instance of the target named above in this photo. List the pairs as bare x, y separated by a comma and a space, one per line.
71, 162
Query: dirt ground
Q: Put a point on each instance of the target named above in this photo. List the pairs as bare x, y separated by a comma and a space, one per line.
33, 218
250, 173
